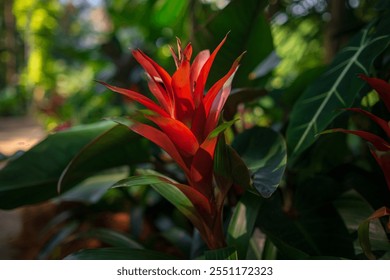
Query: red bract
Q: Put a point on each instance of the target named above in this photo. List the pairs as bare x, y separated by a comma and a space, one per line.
380, 148
185, 118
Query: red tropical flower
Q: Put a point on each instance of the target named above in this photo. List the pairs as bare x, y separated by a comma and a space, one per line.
380, 148
185, 118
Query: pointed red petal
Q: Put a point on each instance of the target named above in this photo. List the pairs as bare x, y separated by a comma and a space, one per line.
383, 159
202, 77
138, 98
375, 140
381, 122
217, 96
197, 65
381, 86
160, 139
184, 104
161, 95
156, 72
223, 82
187, 53
180, 135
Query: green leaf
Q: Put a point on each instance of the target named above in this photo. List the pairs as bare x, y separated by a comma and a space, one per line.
264, 152
318, 106
91, 190
118, 253
167, 12
111, 237
228, 253
115, 147
242, 223
250, 32
33, 177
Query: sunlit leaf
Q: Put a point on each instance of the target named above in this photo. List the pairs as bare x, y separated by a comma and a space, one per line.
335, 89
242, 222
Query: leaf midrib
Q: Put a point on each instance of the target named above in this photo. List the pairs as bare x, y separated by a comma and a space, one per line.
331, 92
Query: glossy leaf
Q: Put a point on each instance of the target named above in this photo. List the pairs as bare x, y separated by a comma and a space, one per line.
251, 34
242, 222
264, 152
334, 89
32, 177
117, 146
92, 189
118, 253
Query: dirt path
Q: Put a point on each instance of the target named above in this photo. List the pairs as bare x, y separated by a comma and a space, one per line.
15, 134
19, 134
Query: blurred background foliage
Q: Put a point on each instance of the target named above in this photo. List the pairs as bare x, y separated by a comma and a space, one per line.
52, 51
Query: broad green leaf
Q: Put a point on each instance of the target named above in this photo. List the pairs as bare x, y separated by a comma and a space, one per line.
111, 237
264, 152
118, 253
250, 33
33, 177
318, 106
115, 147
242, 223
291, 94
228, 253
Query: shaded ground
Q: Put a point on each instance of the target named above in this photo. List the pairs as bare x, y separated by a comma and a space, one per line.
15, 134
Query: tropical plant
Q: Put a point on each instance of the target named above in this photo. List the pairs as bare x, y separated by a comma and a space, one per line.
198, 167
